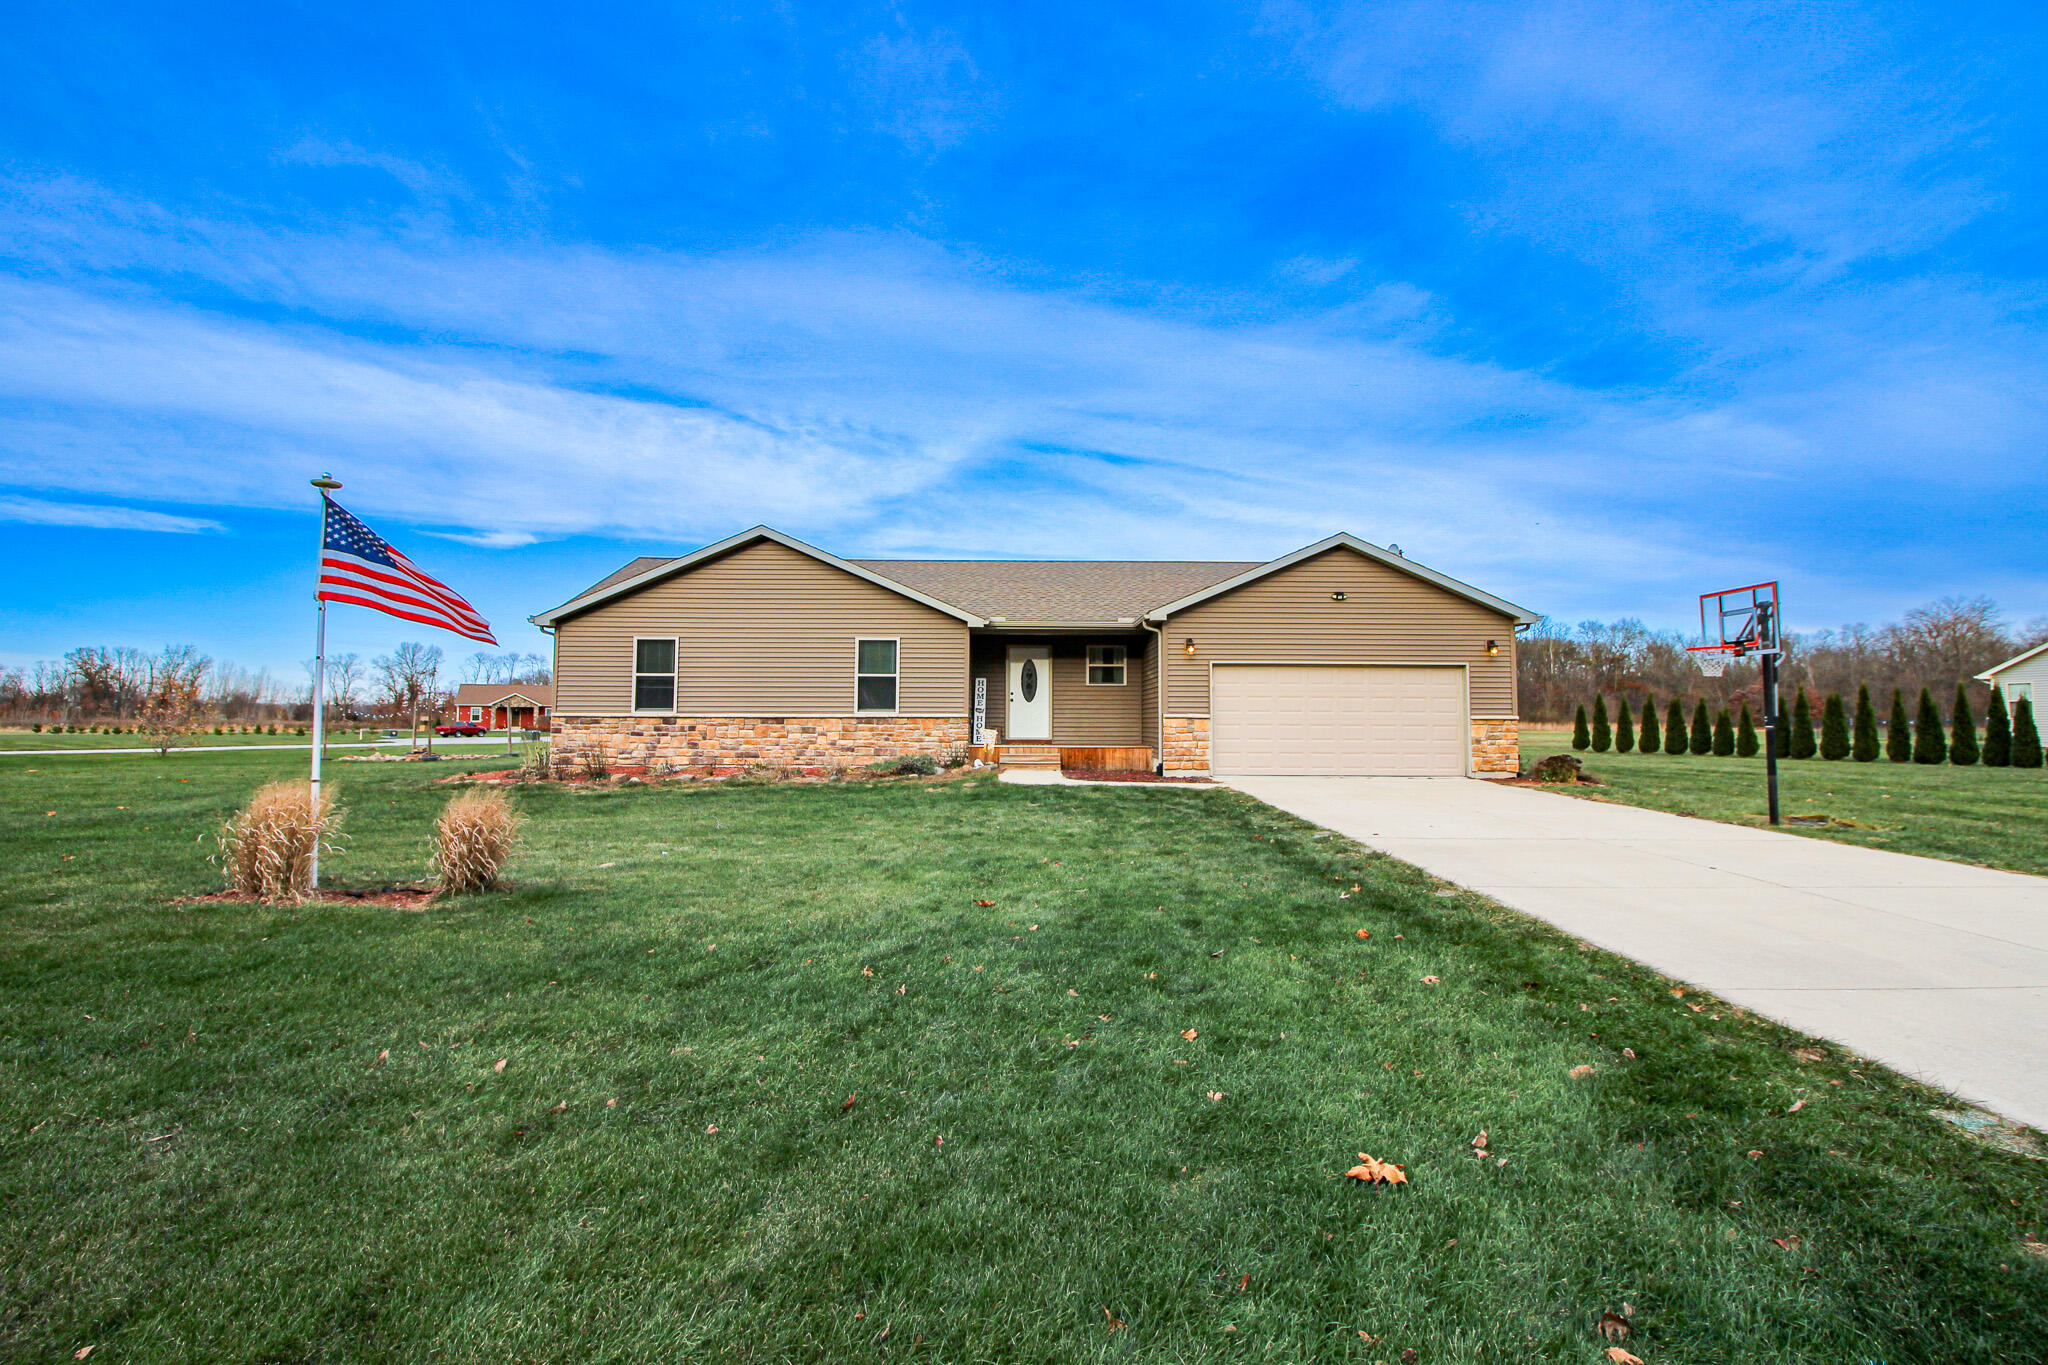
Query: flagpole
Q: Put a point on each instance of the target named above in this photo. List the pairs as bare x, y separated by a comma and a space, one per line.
326, 483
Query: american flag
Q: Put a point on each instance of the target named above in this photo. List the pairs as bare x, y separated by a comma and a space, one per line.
357, 565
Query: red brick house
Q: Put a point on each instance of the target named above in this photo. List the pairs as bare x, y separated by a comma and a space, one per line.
506, 706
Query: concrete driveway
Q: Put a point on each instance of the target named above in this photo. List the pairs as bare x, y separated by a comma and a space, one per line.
1938, 969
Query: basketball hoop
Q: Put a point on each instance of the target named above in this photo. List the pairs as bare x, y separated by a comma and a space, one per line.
1735, 624
1712, 659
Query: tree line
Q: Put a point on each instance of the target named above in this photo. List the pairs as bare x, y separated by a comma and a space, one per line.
2011, 737
121, 685
1935, 647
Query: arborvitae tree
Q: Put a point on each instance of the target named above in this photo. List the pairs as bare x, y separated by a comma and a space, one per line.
1653, 742
1745, 735
1580, 739
1962, 737
1674, 728
1863, 745
2026, 740
1997, 732
1702, 729
1898, 732
1603, 737
1624, 730
1834, 729
1802, 728
1930, 745
1724, 735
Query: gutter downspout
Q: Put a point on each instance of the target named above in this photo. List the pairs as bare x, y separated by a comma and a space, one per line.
1159, 700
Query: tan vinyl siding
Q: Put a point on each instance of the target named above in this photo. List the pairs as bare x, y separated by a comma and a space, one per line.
763, 631
1148, 696
1387, 617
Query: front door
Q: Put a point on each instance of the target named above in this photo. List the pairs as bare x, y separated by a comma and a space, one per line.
1030, 708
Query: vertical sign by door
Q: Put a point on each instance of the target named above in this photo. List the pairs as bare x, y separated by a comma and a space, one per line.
980, 710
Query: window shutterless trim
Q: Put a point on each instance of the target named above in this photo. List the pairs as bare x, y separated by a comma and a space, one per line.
675, 661
895, 675
1122, 666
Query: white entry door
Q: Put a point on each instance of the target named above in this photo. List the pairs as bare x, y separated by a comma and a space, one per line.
1030, 708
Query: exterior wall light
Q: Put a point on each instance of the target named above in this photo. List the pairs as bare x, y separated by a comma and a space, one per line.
1338, 596
1189, 647
1493, 646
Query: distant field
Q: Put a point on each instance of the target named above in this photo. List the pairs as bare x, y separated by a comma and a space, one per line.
1989, 816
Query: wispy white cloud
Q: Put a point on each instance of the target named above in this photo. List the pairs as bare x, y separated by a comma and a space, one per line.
99, 516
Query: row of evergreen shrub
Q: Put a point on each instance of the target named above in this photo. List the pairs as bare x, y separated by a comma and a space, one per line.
2010, 739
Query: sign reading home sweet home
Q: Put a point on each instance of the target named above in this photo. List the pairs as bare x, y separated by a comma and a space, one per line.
980, 710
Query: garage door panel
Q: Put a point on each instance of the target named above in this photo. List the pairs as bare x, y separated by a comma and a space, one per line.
1346, 720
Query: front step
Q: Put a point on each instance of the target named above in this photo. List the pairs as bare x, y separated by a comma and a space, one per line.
1029, 756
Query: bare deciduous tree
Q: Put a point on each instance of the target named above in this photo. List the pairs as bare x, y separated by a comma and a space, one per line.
407, 676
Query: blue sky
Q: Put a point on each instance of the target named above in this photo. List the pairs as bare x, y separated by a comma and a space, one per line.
1594, 305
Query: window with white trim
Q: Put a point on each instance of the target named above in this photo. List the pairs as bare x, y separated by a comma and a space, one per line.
874, 681
1106, 665
654, 673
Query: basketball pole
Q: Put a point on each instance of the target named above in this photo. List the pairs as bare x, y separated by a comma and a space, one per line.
1770, 680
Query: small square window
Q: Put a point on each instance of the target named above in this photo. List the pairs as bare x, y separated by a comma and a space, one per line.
1106, 665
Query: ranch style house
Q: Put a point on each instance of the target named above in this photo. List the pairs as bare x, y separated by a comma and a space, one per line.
1342, 658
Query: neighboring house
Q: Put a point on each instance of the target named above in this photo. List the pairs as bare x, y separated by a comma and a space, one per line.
505, 706
2023, 675
1341, 658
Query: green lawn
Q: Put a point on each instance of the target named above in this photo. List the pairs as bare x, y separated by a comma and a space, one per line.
16, 740
201, 1158
1997, 817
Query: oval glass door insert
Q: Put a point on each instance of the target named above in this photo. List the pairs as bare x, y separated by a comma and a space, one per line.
1027, 679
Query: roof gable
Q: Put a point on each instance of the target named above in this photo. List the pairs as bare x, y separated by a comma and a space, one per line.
1058, 591
493, 694
1345, 540
626, 581
1992, 672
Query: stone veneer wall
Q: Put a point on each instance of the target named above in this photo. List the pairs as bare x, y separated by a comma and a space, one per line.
1496, 746
727, 741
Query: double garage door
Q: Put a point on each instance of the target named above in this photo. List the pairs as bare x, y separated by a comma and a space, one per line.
1337, 720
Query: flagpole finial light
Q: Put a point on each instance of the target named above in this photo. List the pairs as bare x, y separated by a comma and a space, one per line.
327, 483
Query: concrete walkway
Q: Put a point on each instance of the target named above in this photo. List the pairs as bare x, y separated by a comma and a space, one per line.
1939, 970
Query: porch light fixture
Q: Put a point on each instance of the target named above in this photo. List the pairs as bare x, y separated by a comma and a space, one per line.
1493, 646
1338, 596
1189, 647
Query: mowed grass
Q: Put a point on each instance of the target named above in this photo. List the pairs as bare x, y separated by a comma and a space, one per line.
204, 1158
16, 740
1996, 817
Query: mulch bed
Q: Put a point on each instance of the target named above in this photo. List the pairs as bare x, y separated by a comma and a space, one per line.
397, 897
1125, 775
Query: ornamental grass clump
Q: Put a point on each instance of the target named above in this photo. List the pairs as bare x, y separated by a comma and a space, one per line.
472, 840
266, 848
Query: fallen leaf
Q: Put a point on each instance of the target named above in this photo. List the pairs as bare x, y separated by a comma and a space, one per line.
1408, 1356
849, 1103
1072, 991
867, 971
1375, 1172
1629, 1053
883, 1335
382, 1057
1115, 1323
82, 1352
1614, 1327
1754, 1153
612, 1103
984, 904
1034, 928
1215, 1094
1797, 1105
1217, 953
1429, 980
559, 1108
1810, 1054
941, 1142
1244, 1283
1103, 1017
499, 1065
1622, 1357
1480, 1142
1365, 933
1786, 1242
1581, 1070
1188, 1034
902, 990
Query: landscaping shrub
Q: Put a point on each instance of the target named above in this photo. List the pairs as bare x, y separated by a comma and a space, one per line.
36, 728
1930, 744
1834, 729
1560, 768
472, 840
1652, 741
1674, 728
1898, 733
2026, 740
917, 765
1997, 732
1702, 729
1624, 730
1803, 745
1745, 735
266, 848
1962, 738
1724, 735
1581, 739
1863, 743
1603, 735
534, 765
